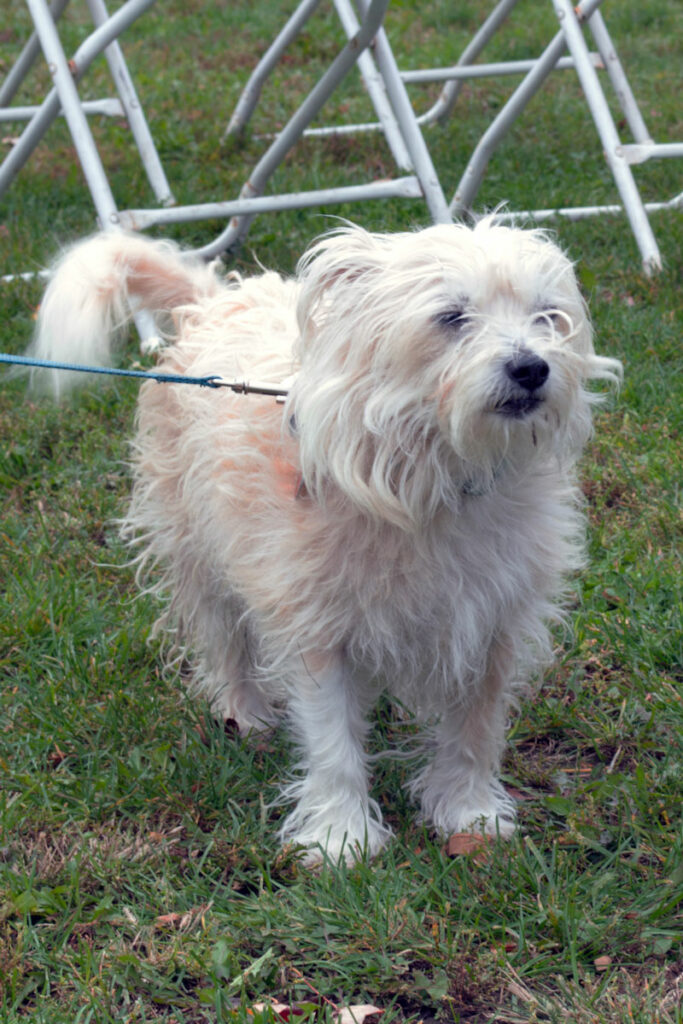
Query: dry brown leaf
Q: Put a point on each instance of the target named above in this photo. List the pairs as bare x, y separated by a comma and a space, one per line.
461, 843
167, 920
517, 794
602, 963
355, 1014
343, 1015
57, 756
283, 1010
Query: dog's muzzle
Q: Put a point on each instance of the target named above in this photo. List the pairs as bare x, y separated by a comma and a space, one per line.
526, 374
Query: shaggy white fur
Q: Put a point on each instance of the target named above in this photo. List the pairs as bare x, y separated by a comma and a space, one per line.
404, 521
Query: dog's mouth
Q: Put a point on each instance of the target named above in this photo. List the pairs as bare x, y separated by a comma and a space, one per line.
519, 407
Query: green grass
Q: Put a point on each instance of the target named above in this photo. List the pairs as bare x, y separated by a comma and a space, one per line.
139, 876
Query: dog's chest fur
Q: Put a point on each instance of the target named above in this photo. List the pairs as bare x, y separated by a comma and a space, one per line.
428, 606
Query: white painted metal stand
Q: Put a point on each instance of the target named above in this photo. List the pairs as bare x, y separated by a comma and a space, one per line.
369, 48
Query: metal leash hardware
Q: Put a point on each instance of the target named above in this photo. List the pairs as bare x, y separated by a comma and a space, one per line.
240, 387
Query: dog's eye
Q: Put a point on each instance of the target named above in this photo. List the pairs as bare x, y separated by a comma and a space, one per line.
553, 316
452, 318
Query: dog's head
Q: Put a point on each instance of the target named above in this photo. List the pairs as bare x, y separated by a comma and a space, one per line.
431, 361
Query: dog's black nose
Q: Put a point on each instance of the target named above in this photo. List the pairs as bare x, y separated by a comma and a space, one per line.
527, 370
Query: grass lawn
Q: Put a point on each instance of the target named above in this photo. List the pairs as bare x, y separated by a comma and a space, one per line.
139, 875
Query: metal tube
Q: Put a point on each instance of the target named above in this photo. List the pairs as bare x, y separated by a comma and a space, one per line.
467, 71
106, 108
446, 101
405, 115
403, 188
26, 59
618, 78
602, 117
494, 134
73, 112
638, 153
133, 108
249, 96
376, 90
583, 212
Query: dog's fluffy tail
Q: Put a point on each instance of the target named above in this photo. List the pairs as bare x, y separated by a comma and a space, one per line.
97, 287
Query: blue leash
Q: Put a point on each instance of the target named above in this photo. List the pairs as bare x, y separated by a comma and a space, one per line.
214, 381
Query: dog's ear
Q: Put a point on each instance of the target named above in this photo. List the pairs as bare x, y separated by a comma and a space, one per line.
354, 432
335, 273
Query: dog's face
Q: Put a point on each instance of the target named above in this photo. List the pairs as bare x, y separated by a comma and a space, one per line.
455, 347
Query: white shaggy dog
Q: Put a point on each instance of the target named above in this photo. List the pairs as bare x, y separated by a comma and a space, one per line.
404, 521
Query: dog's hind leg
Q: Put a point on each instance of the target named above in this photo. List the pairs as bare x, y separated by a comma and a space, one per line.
459, 788
334, 814
224, 655
225, 673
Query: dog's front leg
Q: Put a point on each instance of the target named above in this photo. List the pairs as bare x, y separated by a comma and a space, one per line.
334, 813
459, 788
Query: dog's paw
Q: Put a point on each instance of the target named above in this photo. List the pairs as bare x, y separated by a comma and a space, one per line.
487, 822
151, 345
493, 815
334, 841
